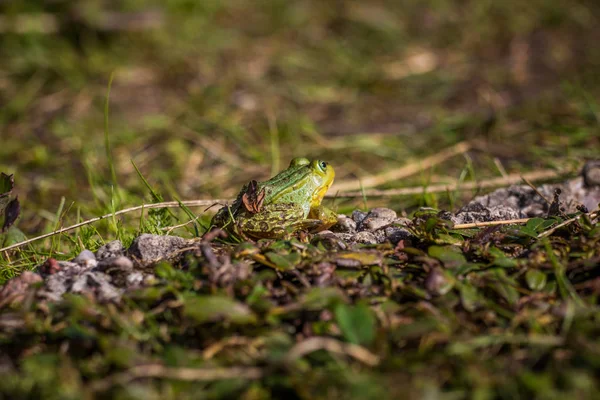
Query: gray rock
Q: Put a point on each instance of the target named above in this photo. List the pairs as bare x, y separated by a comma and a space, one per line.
58, 282
70, 277
107, 275
344, 224
120, 263
135, 279
591, 173
373, 224
96, 283
149, 249
394, 234
110, 249
477, 212
401, 221
118, 268
86, 259
377, 218
70, 268
358, 216
54, 287
365, 237
346, 237
380, 236
526, 202
331, 240
382, 212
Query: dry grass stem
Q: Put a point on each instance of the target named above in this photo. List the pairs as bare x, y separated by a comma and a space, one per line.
182, 374
405, 171
334, 346
212, 350
550, 231
500, 167
169, 229
491, 223
511, 179
532, 186
166, 204
544, 234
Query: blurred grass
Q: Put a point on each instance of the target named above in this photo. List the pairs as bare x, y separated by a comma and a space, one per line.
207, 95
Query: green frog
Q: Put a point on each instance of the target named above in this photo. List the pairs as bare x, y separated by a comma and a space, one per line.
287, 203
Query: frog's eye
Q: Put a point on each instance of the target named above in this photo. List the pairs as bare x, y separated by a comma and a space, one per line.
323, 166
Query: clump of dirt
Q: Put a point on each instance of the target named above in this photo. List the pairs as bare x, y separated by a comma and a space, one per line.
105, 275
522, 201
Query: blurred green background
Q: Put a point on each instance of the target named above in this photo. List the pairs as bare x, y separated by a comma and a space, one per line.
207, 95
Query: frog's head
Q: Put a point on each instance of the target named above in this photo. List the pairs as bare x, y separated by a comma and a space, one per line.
322, 175
304, 182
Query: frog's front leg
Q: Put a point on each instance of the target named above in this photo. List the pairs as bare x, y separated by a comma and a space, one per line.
273, 221
326, 216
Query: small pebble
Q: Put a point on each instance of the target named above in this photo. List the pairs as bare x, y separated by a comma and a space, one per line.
377, 218
86, 259
358, 216
591, 173
346, 237
374, 224
344, 224
402, 221
331, 240
380, 236
382, 212
110, 249
365, 237
135, 279
148, 249
120, 263
395, 234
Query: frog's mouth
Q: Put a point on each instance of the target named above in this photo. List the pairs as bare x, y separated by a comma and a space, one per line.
322, 190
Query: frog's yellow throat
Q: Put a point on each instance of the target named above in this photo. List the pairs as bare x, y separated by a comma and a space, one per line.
318, 195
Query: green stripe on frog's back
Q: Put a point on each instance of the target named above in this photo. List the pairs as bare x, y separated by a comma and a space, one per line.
298, 190
280, 178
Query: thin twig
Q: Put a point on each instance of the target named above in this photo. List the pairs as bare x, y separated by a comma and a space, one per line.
511, 179
212, 350
550, 231
334, 346
405, 171
491, 223
532, 186
500, 167
182, 374
166, 204
170, 229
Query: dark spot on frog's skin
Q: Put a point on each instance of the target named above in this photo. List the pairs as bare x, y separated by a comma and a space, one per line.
264, 226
